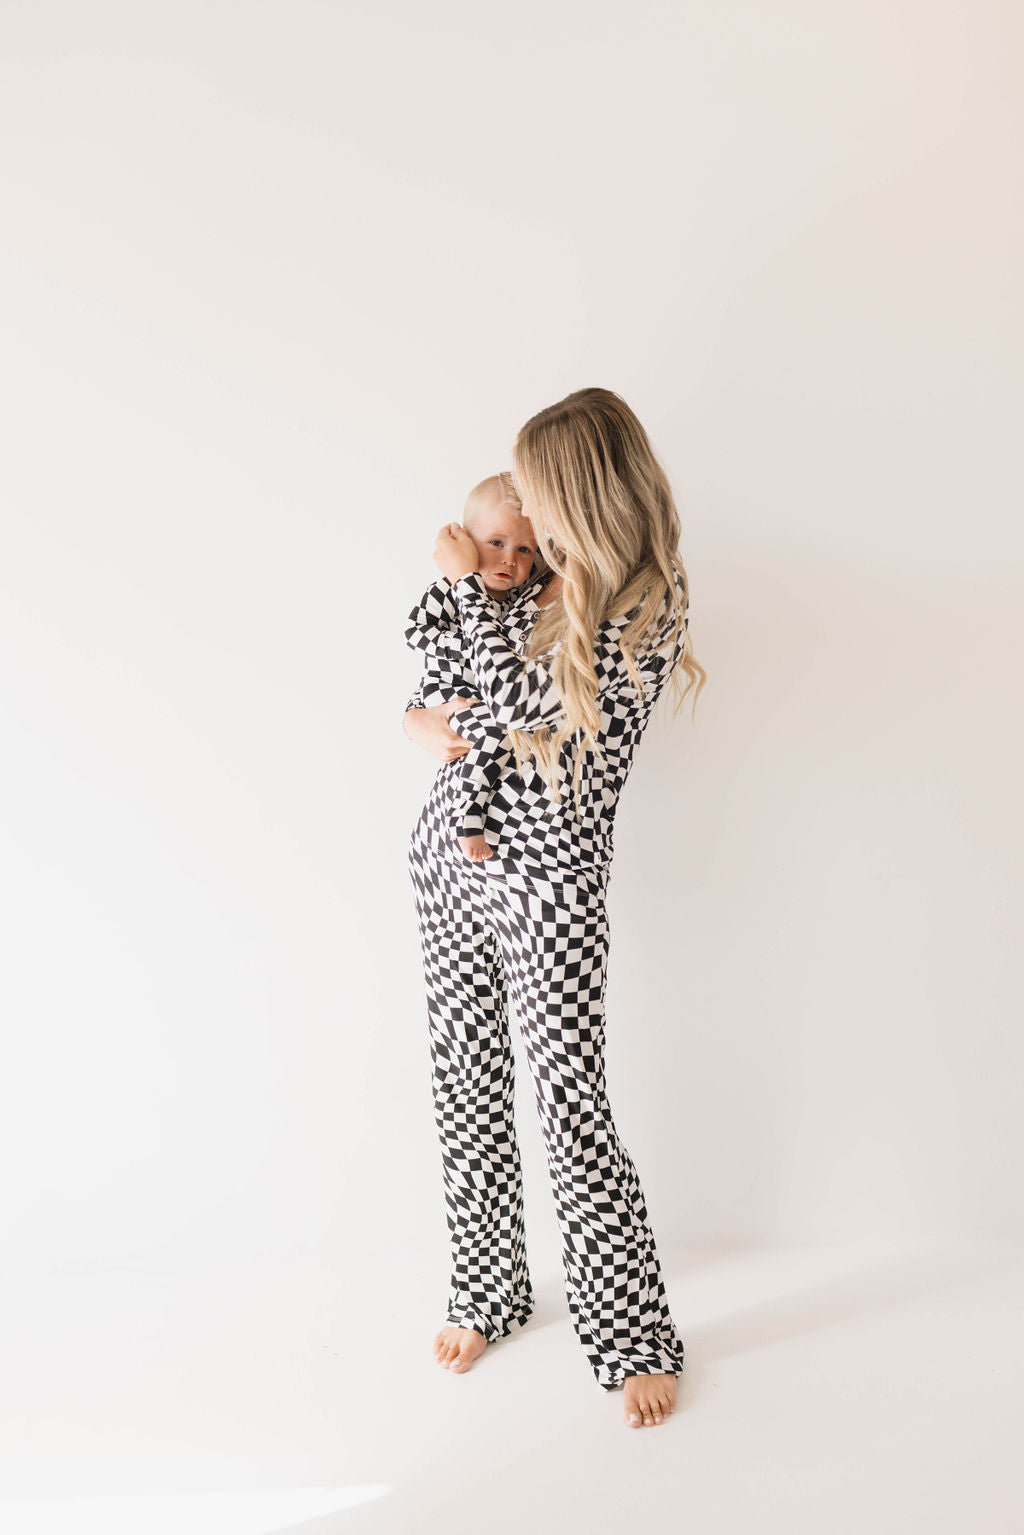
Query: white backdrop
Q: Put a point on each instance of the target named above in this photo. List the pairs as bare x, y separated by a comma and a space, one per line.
279, 284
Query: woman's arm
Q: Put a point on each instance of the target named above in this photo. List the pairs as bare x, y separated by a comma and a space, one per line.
429, 728
519, 694
433, 625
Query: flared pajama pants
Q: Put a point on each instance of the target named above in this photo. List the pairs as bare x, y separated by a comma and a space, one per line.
491, 928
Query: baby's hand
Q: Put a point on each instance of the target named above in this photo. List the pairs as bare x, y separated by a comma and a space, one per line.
455, 552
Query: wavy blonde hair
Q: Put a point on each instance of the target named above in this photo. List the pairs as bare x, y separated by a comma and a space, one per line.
585, 470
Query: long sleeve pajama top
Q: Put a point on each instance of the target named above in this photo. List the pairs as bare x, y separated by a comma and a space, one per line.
433, 629
518, 693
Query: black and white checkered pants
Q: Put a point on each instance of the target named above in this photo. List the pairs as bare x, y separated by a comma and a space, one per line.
489, 929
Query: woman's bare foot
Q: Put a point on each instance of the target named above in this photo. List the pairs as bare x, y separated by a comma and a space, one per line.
648, 1399
476, 847
456, 1347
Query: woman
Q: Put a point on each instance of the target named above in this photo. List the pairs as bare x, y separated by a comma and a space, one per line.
608, 630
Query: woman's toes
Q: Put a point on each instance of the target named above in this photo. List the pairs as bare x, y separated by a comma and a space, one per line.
649, 1400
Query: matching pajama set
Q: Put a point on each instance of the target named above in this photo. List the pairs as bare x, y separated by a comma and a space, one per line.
530, 922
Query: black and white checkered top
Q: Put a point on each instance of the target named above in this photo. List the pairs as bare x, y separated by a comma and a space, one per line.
519, 694
433, 629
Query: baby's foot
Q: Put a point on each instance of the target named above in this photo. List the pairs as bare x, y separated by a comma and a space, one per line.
648, 1399
456, 1347
476, 847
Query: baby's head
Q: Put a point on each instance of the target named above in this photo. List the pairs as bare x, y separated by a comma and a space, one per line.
493, 518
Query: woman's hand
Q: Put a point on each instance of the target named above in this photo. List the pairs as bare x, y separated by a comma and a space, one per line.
455, 552
430, 729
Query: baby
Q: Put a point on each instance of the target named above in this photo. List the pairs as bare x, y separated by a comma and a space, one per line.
507, 548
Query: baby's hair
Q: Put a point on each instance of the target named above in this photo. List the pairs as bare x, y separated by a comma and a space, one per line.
496, 488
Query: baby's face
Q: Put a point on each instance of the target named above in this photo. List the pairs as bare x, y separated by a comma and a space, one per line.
506, 546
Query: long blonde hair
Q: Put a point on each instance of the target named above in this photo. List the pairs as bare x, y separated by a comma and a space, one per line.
587, 473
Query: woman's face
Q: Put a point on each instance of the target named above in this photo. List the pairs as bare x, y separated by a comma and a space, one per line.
534, 512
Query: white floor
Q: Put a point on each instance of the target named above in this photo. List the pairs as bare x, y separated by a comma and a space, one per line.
826, 1390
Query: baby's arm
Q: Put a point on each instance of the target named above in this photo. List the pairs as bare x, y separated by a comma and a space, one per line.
433, 628
416, 701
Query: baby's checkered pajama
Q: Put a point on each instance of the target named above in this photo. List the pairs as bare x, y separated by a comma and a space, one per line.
432, 628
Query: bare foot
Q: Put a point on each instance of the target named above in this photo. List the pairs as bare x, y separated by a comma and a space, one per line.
456, 1347
476, 847
648, 1399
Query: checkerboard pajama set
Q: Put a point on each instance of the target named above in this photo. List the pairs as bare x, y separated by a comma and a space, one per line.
530, 922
